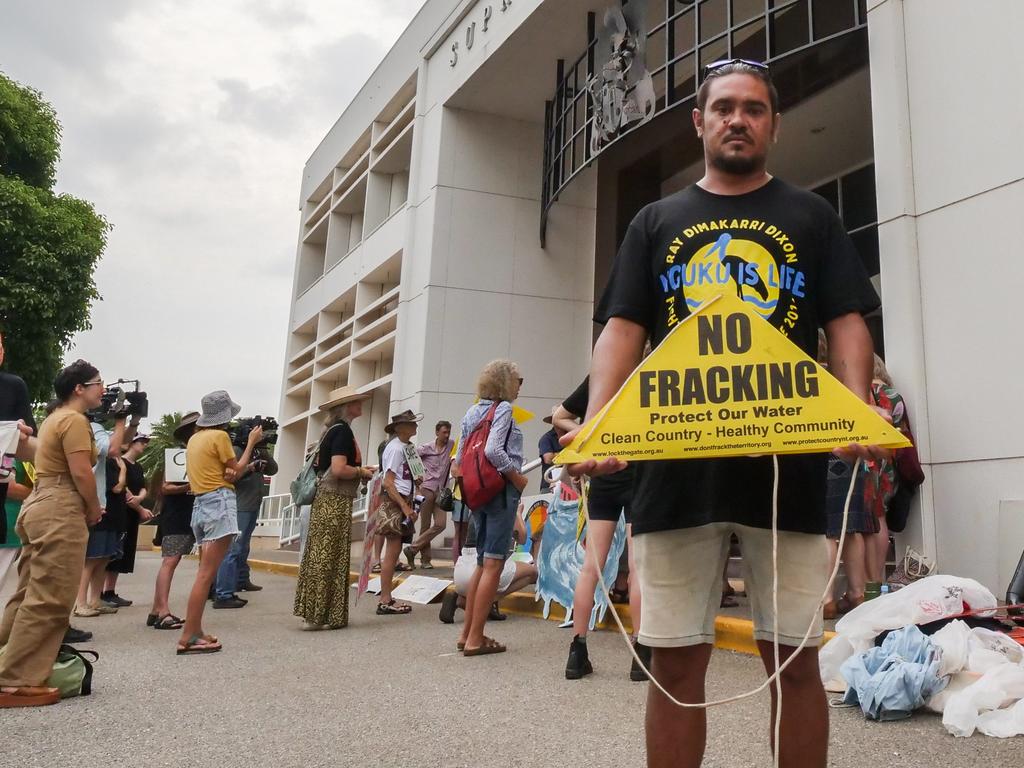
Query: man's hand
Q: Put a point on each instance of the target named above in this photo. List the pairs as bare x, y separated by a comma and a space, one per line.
230, 475
410, 513
593, 468
855, 451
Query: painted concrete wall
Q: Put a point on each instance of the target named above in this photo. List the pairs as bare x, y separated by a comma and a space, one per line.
950, 191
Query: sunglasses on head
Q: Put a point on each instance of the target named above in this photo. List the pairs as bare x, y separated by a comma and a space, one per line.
709, 68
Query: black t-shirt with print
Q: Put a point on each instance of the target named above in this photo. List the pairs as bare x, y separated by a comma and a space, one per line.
780, 248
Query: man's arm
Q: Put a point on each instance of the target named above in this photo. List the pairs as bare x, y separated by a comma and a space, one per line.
618, 351
851, 359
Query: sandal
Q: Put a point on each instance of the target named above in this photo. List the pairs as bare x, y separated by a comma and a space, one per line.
152, 619
198, 644
403, 567
392, 608
375, 569
490, 646
168, 621
495, 613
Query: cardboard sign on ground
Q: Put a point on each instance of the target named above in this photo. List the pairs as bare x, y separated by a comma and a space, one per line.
725, 382
420, 589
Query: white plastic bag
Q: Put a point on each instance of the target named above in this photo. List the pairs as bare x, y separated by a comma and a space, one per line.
998, 687
923, 601
989, 649
830, 659
1003, 723
954, 642
957, 683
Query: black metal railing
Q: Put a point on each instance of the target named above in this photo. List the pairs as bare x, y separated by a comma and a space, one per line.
687, 35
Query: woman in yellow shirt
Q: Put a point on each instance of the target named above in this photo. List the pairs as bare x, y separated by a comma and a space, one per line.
211, 465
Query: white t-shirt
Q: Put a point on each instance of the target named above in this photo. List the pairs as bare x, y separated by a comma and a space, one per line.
394, 459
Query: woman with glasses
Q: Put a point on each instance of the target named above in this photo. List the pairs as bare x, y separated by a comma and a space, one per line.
497, 388
54, 529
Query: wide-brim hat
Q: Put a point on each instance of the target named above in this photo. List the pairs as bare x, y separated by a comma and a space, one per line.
188, 420
344, 395
405, 417
218, 408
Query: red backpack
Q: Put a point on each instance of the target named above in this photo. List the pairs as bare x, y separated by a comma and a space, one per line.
481, 482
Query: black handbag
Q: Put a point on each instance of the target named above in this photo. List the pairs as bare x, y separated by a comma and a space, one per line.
446, 500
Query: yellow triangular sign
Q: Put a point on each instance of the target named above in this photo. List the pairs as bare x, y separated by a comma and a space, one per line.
724, 382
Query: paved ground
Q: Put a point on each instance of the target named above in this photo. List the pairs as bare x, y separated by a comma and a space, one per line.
389, 691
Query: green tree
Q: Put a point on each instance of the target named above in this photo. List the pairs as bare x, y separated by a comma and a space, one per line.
49, 243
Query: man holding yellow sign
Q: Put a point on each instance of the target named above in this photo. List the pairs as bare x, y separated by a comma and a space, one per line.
731, 279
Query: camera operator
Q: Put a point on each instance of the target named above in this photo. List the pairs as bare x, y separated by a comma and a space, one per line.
106, 537
250, 488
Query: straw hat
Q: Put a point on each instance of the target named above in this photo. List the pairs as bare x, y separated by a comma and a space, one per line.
344, 395
182, 431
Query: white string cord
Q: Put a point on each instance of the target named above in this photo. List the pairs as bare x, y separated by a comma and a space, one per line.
775, 607
779, 669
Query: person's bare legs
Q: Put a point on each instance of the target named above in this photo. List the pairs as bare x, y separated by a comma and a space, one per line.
460, 536
804, 732
213, 553
599, 541
676, 736
470, 601
876, 548
526, 574
483, 596
99, 571
854, 565
388, 561
162, 592
378, 547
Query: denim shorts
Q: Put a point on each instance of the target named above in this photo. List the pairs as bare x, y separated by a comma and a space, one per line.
214, 515
494, 522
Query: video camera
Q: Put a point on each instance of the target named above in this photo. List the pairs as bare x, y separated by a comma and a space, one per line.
118, 402
239, 431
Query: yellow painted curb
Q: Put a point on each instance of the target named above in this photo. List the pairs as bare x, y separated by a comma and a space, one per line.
731, 633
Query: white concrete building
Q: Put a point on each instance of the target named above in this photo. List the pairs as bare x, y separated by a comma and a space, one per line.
457, 212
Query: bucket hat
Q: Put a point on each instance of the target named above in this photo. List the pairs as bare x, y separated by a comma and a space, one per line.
218, 408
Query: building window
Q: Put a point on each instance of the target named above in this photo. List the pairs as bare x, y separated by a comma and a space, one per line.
852, 195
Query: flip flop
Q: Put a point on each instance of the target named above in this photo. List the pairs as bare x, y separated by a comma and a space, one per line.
29, 696
196, 645
490, 646
403, 567
168, 621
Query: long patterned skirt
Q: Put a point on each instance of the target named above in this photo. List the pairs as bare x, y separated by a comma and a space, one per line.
321, 596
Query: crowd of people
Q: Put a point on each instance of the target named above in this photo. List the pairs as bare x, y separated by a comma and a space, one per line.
683, 517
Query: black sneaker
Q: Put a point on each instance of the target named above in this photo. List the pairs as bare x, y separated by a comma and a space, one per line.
636, 673
578, 664
73, 635
115, 600
448, 606
250, 587
230, 602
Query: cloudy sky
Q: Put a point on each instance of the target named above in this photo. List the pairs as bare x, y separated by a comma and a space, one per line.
187, 124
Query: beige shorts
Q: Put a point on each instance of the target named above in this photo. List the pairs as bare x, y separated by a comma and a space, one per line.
681, 583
